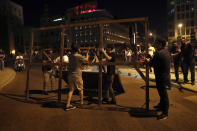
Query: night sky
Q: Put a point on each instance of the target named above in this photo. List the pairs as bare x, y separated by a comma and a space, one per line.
154, 9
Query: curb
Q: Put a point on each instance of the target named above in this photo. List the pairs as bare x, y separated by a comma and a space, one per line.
9, 79
180, 86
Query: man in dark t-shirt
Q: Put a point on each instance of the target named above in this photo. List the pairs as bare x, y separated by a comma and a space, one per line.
110, 57
176, 55
188, 56
161, 64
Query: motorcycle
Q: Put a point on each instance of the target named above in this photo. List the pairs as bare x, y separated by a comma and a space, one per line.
19, 66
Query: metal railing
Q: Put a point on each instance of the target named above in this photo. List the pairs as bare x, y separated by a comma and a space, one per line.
101, 23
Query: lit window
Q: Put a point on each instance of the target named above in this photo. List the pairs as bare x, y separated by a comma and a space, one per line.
172, 11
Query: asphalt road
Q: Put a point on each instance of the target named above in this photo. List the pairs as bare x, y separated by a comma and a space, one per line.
41, 113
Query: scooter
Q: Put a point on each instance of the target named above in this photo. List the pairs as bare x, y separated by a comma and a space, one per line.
19, 66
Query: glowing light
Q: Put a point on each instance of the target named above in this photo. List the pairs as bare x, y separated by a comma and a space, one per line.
13, 52
59, 19
151, 34
87, 11
180, 25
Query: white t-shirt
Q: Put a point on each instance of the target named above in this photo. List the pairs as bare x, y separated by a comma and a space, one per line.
65, 59
19, 57
151, 51
128, 52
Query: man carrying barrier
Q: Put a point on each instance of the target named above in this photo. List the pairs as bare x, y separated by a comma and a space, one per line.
75, 80
48, 72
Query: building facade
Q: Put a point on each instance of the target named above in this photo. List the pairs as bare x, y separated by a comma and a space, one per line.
182, 19
84, 36
11, 26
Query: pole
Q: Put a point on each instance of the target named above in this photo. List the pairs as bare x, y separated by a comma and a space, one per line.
100, 67
147, 67
180, 31
29, 67
60, 65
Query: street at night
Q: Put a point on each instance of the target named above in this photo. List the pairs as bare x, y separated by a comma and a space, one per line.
17, 114
95, 65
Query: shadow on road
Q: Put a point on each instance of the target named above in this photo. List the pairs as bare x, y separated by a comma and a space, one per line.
32, 100
53, 104
141, 112
92, 104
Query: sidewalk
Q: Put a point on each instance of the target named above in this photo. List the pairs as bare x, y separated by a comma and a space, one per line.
6, 76
133, 73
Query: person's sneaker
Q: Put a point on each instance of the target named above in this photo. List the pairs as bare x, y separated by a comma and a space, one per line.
186, 81
71, 107
193, 83
162, 117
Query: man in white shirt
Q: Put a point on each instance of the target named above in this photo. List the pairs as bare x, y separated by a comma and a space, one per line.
151, 52
128, 54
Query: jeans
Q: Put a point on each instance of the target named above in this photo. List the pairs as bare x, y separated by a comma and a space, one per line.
186, 67
110, 91
49, 80
164, 101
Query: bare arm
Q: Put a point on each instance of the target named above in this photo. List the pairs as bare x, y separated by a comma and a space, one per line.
86, 57
106, 55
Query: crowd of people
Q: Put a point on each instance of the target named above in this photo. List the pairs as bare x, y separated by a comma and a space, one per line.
75, 61
160, 57
181, 54
184, 56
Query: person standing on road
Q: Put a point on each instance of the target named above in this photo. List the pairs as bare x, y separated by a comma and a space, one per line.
161, 64
188, 56
48, 72
2, 57
110, 57
128, 54
151, 52
75, 80
176, 55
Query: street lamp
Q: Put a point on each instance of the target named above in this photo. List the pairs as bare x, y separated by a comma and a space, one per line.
151, 34
180, 26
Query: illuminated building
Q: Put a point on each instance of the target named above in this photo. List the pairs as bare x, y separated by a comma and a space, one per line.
11, 26
84, 36
182, 19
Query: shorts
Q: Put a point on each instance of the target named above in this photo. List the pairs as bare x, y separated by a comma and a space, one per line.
75, 82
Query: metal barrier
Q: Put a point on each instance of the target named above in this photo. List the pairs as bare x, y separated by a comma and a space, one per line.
101, 23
